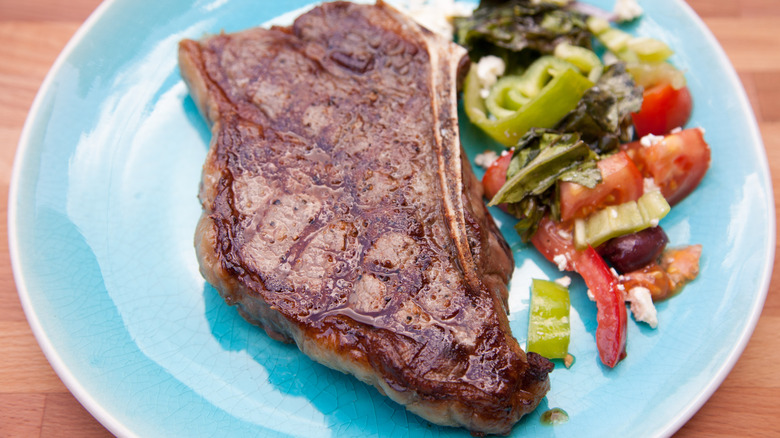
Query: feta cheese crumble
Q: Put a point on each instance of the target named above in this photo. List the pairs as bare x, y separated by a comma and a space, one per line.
489, 68
650, 140
485, 159
627, 10
610, 58
649, 185
564, 281
562, 261
642, 306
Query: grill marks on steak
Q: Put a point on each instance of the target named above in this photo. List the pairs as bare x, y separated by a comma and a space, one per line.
340, 212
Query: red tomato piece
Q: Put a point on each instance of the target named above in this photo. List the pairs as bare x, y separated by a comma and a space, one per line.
553, 240
677, 164
677, 267
663, 109
495, 175
611, 316
621, 182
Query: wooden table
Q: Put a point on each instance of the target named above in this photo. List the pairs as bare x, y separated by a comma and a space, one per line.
33, 400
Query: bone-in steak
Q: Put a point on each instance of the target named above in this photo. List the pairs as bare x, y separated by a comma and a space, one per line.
340, 212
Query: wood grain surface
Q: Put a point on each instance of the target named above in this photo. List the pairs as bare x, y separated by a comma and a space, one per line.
33, 400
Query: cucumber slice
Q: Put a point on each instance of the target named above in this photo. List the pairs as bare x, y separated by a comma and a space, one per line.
626, 46
618, 220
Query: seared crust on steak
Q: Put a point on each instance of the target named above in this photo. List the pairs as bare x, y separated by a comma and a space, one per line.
340, 212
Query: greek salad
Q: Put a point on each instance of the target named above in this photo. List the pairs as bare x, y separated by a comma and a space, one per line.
593, 120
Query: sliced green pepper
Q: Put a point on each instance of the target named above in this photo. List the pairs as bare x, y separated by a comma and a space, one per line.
511, 92
548, 323
504, 100
585, 60
540, 72
544, 109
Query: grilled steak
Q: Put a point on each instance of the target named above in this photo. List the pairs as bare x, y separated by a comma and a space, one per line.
340, 212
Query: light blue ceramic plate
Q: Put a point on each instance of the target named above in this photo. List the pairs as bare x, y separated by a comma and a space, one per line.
103, 207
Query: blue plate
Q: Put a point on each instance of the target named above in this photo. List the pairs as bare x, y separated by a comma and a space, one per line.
103, 207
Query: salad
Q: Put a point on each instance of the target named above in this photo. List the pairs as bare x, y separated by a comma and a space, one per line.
596, 155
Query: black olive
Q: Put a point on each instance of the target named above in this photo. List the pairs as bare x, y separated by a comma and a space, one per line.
633, 251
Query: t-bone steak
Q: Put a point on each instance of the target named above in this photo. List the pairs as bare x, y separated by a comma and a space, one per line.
340, 211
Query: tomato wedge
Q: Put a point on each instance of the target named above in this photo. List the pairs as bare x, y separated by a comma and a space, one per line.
663, 109
495, 175
677, 164
677, 267
621, 182
611, 316
553, 241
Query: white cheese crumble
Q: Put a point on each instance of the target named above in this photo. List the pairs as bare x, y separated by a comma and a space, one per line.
436, 15
610, 58
642, 306
591, 296
627, 10
675, 130
485, 159
649, 185
650, 140
562, 261
564, 281
489, 68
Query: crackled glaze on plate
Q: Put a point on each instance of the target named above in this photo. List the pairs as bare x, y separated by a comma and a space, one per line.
102, 212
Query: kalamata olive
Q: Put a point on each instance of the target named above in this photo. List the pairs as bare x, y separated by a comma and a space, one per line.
633, 251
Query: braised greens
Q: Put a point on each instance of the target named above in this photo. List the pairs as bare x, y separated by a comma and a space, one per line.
542, 159
520, 30
603, 115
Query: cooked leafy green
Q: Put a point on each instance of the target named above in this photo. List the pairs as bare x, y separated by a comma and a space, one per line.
603, 115
520, 30
543, 158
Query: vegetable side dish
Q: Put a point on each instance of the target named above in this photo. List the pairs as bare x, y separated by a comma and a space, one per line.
592, 117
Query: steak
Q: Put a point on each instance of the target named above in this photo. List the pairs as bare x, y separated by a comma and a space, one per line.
340, 211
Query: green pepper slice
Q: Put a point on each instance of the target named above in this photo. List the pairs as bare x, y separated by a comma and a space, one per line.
552, 102
585, 60
548, 323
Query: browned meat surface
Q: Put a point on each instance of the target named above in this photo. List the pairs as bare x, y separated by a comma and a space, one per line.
341, 214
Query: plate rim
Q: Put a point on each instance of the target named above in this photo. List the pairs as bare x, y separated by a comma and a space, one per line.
738, 348
22, 155
117, 427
